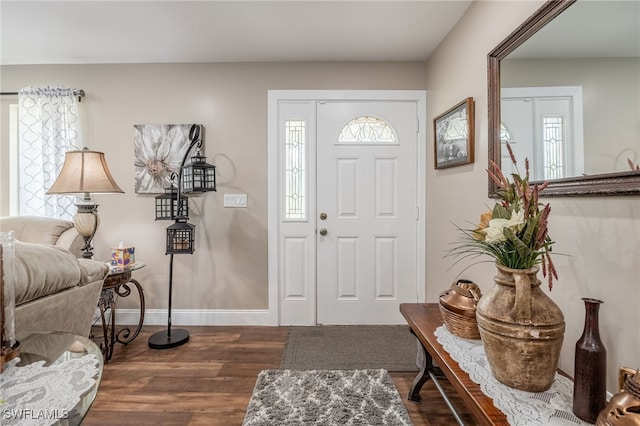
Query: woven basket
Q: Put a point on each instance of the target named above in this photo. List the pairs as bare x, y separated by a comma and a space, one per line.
458, 309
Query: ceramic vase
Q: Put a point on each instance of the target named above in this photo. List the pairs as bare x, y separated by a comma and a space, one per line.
590, 383
521, 329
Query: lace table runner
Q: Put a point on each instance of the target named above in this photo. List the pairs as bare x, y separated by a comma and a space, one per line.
36, 395
551, 407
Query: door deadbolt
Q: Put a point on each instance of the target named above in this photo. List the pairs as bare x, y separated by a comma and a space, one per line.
323, 231
323, 216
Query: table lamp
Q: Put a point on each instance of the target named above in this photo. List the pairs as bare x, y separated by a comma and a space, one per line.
85, 172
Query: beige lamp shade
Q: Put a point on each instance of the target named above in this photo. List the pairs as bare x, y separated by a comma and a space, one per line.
84, 172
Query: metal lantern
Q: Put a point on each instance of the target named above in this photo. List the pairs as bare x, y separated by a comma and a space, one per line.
167, 207
198, 176
180, 238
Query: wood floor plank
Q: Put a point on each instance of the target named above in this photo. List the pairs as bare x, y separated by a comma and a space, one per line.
122, 418
210, 379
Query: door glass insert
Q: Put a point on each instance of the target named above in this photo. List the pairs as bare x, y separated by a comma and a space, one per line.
506, 137
295, 172
505, 134
553, 129
367, 129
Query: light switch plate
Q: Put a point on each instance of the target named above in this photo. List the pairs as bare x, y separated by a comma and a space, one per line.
235, 200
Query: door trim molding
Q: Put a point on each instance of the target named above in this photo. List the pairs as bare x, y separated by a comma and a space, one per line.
273, 231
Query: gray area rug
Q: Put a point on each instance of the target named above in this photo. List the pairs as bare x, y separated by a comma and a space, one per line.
325, 397
350, 347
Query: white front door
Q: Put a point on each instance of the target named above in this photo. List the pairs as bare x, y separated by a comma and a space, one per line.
366, 211
351, 163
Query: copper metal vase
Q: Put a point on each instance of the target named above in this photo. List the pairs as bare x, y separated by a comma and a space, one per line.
624, 407
590, 382
458, 309
522, 330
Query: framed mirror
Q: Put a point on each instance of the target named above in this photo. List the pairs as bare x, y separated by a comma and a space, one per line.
564, 91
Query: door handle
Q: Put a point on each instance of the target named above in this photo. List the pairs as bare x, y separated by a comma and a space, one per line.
323, 231
323, 216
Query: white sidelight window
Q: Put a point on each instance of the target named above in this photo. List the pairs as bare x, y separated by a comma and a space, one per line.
295, 170
553, 139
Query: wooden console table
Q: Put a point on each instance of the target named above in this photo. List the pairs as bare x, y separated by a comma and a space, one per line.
423, 319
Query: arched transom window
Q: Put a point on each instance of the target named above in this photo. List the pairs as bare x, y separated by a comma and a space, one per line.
367, 129
505, 134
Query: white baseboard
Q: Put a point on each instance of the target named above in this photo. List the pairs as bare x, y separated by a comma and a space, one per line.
195, 317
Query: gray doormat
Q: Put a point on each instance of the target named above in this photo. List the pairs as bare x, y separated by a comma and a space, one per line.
350, 347
327, 398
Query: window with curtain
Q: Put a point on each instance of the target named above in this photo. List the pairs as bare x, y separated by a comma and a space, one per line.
48, 127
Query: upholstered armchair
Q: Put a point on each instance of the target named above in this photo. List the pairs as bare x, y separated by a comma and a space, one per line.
55, 289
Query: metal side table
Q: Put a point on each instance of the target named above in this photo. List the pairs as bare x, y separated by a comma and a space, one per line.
118, 283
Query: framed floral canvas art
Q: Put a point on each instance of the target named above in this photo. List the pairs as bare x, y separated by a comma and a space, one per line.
159, 150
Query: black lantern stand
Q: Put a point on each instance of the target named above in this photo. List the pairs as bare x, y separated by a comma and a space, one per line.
198, 176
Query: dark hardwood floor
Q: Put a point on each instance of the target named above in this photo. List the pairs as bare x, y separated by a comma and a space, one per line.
209, 380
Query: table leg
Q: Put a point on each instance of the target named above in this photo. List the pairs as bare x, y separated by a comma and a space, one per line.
124, 335
423, 376
107, 308
430, 371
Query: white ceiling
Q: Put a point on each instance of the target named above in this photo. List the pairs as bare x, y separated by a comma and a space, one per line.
98, 32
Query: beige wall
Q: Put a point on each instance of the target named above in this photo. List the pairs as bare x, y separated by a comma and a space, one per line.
601, 235
229, 267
